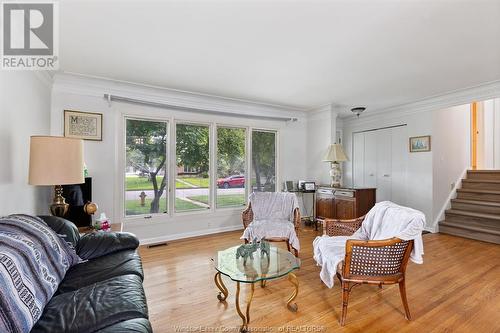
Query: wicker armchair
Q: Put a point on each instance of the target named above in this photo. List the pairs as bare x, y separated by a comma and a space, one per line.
247, 218
334, 227
372, 262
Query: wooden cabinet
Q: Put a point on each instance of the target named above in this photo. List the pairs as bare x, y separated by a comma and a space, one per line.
343, 203
325, 206
345, 209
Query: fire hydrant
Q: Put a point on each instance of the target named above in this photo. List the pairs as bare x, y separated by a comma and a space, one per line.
143, 198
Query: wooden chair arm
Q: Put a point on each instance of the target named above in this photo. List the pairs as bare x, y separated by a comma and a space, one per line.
247, 216
376, 258
296, 219
336, 227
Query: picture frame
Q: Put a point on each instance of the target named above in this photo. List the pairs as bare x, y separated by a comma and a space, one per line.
419, 144
83, 125
309, 186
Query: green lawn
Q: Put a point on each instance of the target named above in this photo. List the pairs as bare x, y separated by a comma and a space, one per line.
133, 207
136, 183
196, 181
229, 200
183, 205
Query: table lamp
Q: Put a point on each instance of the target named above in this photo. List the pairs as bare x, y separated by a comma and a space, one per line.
56, 161
335, 155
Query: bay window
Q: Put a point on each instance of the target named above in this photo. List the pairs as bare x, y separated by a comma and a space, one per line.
146, 163
231, 167
192, 182
168, 169
263, 161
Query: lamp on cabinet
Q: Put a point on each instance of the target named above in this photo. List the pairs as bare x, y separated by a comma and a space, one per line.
56, 161
335, 155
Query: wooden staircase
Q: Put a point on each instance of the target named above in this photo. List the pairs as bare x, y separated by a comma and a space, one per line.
475, 213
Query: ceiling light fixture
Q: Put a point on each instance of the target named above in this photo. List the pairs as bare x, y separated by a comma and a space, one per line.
358, 110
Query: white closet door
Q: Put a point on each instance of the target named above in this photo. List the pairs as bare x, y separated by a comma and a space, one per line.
370, 159
358, 159
399, 165
384, 164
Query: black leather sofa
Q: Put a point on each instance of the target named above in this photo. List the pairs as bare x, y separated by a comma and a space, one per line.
104, 293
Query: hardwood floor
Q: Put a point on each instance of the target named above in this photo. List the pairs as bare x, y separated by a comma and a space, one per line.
457, 289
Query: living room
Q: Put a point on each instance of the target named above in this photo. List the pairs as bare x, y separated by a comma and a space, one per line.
158, 137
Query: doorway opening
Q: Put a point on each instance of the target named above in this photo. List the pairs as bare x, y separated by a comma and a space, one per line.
485, 134
474, 135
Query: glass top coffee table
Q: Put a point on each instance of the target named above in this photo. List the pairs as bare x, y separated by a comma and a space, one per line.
261, 268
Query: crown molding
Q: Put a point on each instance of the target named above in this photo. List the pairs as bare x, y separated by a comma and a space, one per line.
454, 98
44, 77
96, 87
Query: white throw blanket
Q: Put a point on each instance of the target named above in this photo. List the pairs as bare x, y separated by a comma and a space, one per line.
273, 217
385, 220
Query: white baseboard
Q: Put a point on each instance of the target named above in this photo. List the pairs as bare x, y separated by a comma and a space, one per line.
447, 204
432, 229
167, 238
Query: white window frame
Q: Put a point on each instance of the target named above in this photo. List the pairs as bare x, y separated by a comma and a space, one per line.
122, 209
171, 122
277, 156
247, 159
210, 126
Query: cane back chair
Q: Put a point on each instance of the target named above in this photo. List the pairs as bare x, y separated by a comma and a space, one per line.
376, 262
335, 227
247, 218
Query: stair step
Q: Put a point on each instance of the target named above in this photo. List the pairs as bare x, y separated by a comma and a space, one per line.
473, 218
483, 174
488, 207
479, 195
474, 214
481, 184
469, 231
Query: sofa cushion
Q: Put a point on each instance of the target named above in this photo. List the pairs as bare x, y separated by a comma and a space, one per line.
95, 307
63, 227
97, 244
100, 269
138, 325
33, 261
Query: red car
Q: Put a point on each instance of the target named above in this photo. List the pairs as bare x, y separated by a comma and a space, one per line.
231, 181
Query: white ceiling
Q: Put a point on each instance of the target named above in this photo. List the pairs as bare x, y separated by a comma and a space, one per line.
296, 53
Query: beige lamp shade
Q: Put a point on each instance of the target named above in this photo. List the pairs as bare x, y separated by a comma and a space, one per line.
55, 161
335, 153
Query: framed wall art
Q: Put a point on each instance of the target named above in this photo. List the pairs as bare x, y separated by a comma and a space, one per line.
420, 144
83, 125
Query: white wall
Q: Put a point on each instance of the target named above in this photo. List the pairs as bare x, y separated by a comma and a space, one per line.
491, 134
419, 165
321, 132
105, 159
318, 139
430, 175
451, 154
24, 111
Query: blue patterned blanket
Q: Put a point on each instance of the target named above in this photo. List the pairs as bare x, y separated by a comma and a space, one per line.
33, 261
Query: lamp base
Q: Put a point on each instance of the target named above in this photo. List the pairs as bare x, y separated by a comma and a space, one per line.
59, 206
336, 174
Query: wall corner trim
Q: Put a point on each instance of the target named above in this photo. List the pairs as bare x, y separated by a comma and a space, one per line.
453, 98
198, 233
94, 86
447, 204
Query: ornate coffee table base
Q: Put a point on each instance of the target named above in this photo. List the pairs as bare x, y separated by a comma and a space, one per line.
293, 279
221, 286
245, 317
